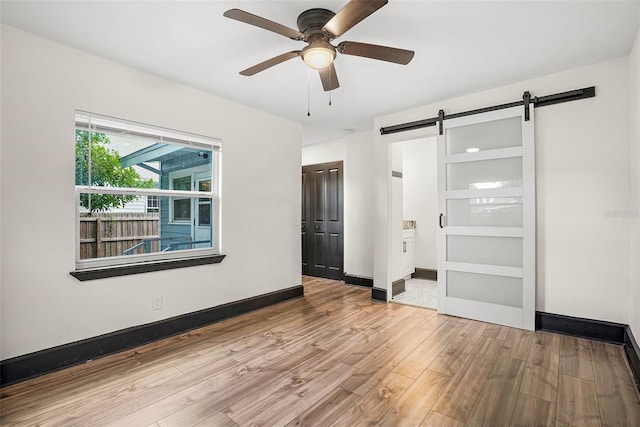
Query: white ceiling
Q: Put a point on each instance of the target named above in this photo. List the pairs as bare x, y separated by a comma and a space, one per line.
461, 47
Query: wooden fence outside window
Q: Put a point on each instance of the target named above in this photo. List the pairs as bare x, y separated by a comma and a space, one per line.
110, 234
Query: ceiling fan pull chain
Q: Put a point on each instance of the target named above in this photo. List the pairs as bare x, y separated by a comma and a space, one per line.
330, 85
308, 95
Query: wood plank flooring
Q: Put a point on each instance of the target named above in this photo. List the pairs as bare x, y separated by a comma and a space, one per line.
335, 357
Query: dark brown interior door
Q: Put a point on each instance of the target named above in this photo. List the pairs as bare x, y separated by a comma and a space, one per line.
322, 220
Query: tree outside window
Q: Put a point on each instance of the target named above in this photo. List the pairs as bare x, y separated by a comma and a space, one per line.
106, 171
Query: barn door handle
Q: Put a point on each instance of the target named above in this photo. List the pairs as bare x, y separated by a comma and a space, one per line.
440, 218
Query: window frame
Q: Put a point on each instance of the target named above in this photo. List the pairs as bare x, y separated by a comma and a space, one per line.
167, 136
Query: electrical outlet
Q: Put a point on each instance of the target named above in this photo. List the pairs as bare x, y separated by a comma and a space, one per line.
156, 303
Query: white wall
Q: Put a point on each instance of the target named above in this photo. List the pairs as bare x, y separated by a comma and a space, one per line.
324, 152
582, 173
397, 217
43, 83
634, 116
356, 151
420, 199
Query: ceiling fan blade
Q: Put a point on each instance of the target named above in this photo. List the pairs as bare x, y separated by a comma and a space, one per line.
258, 21
373, 51
269, 63
329, 78
352, 13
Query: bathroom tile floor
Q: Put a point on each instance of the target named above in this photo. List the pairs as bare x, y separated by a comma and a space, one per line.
419, 292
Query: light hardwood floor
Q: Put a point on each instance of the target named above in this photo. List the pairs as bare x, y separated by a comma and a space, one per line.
337, 358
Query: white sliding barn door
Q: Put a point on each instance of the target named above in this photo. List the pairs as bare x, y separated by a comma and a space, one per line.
486, 196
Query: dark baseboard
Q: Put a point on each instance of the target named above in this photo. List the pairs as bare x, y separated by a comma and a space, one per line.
615, 333
425, 273
378, 294
632, 351
579, 327
42, 362
360, 281
397, 287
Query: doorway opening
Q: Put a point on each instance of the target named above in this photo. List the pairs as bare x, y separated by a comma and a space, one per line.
415, 218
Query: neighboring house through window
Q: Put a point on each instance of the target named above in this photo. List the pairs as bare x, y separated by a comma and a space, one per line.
144, 193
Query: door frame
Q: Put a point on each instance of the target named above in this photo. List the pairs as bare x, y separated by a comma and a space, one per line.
197, 174
384, 238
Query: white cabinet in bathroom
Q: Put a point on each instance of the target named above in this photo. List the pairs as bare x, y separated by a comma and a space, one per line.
408, 252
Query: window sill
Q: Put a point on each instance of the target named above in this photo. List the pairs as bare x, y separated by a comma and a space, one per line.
126, 270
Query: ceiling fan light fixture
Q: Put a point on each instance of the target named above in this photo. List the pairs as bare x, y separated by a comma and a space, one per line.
318, 56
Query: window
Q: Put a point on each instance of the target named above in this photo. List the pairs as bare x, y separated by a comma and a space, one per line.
181, 208
143, 193
153, 204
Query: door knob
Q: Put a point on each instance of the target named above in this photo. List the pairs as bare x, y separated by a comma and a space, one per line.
317, 227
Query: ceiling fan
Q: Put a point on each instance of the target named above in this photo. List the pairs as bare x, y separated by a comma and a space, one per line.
318, 28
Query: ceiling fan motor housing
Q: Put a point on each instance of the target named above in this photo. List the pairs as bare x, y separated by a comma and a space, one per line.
310, 23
